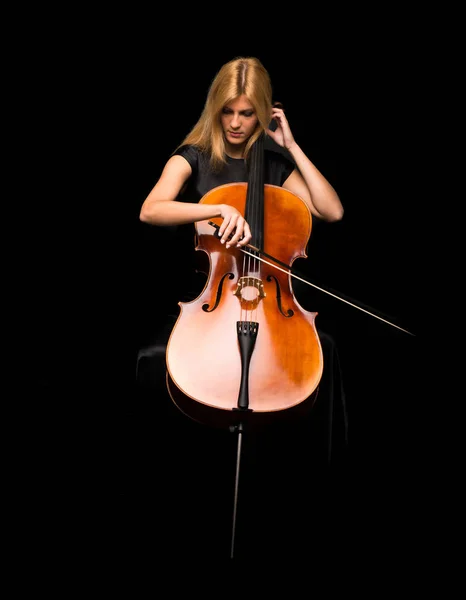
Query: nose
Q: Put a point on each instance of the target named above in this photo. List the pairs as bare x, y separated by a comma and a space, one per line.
235, 121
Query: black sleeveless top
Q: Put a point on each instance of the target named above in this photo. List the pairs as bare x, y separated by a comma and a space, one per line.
277, 168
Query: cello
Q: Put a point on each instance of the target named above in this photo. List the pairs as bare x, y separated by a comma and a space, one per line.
245, 352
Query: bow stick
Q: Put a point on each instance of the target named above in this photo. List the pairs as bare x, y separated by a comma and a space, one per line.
288, 270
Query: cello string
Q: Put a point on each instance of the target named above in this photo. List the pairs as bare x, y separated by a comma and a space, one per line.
257, 152
253, 210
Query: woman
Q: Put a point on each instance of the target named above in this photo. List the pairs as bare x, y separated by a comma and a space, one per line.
237, 111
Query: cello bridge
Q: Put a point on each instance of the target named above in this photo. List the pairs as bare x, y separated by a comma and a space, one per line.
250, 290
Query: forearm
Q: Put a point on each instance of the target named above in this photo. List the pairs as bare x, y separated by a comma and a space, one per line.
177, 213
324, 198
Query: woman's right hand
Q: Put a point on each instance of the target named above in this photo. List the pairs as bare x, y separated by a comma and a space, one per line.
234, 230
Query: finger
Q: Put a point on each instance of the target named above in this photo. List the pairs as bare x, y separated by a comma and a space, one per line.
228, 234
246, 238
226, 227
223, 226
244, 242
233, 241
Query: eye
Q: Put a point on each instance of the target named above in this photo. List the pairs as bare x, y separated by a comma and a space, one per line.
226, 110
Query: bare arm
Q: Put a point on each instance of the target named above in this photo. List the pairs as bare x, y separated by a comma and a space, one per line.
161, 207
306, 181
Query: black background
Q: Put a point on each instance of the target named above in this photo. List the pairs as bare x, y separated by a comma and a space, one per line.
111, 106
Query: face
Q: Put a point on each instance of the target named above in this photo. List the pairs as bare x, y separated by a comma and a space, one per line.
239, 121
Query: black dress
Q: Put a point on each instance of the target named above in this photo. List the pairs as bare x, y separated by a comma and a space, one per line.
184, 473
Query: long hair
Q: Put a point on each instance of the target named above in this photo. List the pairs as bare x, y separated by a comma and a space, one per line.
242, 75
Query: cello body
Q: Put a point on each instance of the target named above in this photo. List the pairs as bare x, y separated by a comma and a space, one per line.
245, 351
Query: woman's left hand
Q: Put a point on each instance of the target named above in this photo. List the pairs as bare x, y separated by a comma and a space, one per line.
282, 134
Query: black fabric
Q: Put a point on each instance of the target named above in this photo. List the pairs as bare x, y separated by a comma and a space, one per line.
277, 169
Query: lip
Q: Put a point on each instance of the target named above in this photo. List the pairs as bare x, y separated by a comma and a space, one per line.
235, 134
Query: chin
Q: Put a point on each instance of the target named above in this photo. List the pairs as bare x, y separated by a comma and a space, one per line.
236, 141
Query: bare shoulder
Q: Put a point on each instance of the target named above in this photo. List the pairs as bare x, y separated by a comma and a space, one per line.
178, 164
176, 172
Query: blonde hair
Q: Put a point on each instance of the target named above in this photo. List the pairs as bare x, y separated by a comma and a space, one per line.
242, 75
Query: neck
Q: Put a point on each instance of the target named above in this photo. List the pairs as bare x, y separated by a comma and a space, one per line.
235, 151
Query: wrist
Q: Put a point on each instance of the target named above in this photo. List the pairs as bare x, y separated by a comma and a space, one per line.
292, 147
